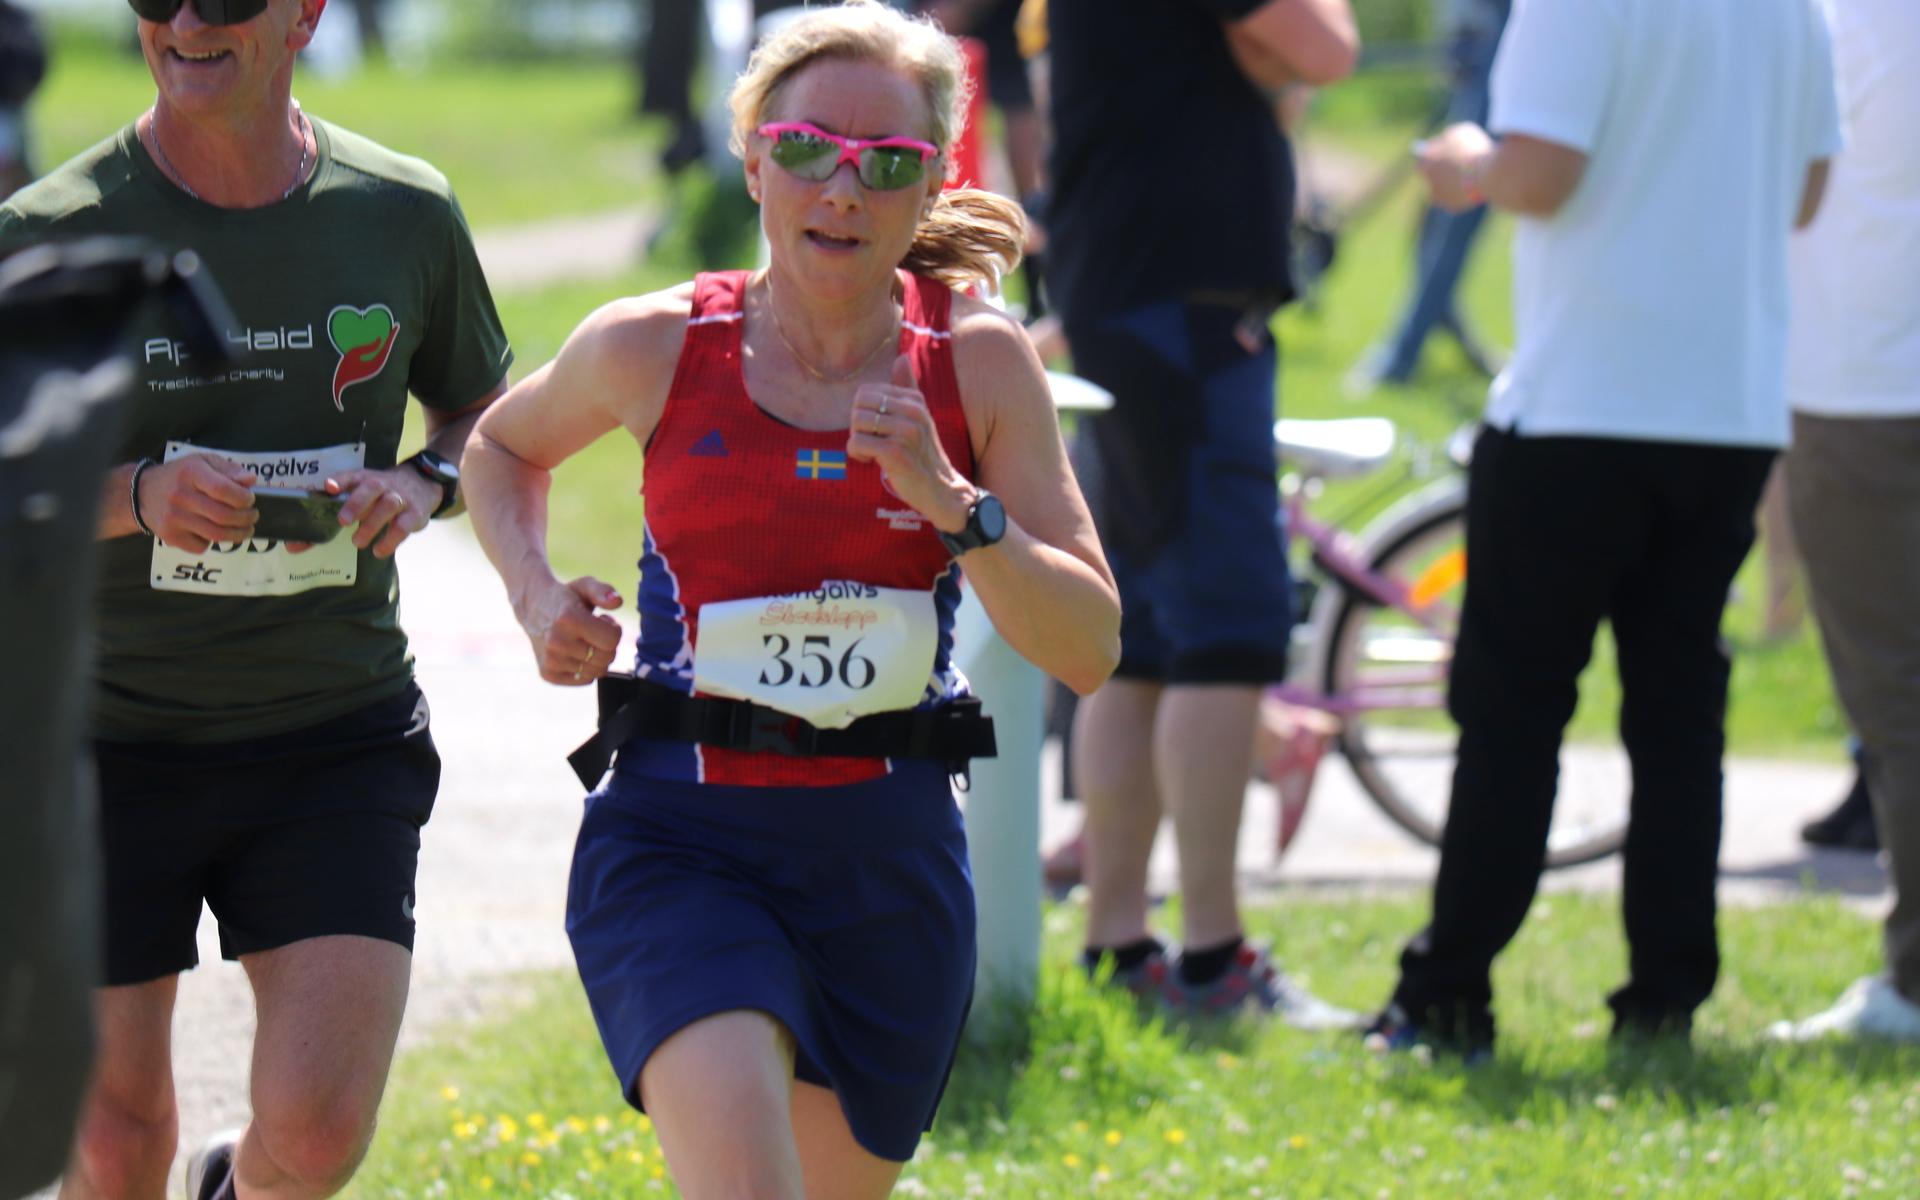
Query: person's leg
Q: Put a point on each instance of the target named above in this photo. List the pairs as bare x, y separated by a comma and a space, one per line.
129, 1125
1548, 522
1113, 748
1226, 609
1673, 679
832, 1163
329, 1013
1855, 497
1201, 743
1445, 241
720, 1095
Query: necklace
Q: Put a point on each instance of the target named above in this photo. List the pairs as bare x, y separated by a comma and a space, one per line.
816, 372
160, 152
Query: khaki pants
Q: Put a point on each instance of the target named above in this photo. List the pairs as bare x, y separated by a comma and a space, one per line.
1854, 489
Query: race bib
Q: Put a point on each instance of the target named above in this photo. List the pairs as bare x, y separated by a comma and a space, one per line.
829, 656
262, 566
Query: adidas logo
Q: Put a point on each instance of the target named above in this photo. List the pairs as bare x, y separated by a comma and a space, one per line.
710, 446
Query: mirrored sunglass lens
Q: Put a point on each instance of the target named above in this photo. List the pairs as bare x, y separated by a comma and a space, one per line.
805, 155
890, 167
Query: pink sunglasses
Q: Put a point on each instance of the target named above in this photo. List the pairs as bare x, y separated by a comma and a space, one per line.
813, 154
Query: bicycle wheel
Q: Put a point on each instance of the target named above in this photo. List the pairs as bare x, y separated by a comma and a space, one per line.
1387, 665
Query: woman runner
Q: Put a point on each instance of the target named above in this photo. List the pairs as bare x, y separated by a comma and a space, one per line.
770, 902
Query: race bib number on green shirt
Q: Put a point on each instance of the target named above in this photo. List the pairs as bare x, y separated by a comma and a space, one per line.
829, 656
262, 566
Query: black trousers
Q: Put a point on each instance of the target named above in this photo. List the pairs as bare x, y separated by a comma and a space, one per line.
1563, 532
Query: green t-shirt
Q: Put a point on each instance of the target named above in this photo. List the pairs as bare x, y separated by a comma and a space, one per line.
359, 288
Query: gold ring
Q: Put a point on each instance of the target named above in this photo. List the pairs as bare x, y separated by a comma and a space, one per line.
588, 661
876, 424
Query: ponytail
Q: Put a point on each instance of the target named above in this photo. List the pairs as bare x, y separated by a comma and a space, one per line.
970, 236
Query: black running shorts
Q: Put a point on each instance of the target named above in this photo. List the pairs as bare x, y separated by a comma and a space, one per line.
293, 836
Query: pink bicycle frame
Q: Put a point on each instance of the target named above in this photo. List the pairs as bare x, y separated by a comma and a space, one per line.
1336, 552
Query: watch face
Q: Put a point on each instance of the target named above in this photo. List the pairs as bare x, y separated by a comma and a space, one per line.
439, 464
992, 518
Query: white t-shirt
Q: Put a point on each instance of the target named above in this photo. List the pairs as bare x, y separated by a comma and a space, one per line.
1855, 348
1653, 305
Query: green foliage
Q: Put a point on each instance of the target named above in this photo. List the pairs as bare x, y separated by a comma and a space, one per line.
1085, 1094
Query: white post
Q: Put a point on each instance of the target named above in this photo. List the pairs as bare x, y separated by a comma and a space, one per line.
1003, 811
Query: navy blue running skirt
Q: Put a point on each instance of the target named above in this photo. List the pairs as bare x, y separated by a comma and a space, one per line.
846, 913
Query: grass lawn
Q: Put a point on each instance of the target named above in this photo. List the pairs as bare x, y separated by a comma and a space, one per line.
520, 142
1088, 1098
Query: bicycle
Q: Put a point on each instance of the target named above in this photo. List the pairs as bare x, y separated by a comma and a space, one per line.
1381, 610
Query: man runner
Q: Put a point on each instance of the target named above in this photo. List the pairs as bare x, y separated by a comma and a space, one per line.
261, 744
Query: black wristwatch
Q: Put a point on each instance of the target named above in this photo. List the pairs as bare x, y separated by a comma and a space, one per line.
986, 524
436, 467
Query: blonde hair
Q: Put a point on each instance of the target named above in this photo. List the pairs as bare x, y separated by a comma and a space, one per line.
970, 235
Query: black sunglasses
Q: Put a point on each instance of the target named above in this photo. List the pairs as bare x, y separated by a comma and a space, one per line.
213, 12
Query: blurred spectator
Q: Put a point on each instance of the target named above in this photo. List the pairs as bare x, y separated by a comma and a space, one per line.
1854, 471
372, 20
23, 63
668, 57
1446, 238
1173, 190
1657, 156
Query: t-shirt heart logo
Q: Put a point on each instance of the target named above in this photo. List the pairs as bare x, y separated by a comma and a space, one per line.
364, 338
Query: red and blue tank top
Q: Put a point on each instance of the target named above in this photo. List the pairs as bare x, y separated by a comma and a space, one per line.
741, 504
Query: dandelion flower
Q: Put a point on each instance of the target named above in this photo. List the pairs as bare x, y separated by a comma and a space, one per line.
531, 1158
645, 1122
658, 1172
537, 1120
1113, 1137
1176, 1137
449, 1093
1298, 1141
1070, 1160
486, 1181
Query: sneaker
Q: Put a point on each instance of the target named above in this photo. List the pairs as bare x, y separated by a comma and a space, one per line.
1146, 980
1395, 1031
1252, 981
211, 1165
1870, 1008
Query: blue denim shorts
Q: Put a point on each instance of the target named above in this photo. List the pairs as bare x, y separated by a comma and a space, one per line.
1189, 502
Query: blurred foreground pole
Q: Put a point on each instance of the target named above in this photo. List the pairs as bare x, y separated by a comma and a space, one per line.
1003, 812
63, 379
1003, 809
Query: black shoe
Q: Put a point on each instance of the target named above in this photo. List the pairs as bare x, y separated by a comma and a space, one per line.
211, 1167
1850, 826
1394, 1031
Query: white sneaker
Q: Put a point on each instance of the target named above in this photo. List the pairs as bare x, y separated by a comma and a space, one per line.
1870, 1008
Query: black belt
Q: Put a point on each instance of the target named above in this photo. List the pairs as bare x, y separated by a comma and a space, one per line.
632, 707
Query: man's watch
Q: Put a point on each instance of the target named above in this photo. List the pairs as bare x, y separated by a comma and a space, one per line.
436, 467
986, 524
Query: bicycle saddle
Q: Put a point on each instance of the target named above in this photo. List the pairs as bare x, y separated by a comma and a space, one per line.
1334, 449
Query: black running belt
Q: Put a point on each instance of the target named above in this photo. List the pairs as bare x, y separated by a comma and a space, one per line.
630, 707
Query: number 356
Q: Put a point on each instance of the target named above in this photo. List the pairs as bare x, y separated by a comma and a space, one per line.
817, 667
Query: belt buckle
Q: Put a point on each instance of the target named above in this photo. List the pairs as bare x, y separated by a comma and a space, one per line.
770, 730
